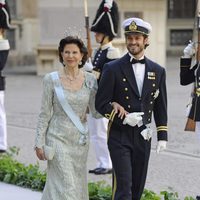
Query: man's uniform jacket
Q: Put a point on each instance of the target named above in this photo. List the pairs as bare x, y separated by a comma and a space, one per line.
191, 75
118, 84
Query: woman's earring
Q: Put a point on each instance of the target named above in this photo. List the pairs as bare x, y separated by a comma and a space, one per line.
80, 63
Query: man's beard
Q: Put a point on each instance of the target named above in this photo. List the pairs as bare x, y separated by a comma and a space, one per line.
135, 49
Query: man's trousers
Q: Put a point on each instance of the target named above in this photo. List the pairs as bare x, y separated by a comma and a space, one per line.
130, 155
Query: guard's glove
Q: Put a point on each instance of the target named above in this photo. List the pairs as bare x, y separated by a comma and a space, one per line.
189, 50
161, 146
88, 65
108, 5
133, 119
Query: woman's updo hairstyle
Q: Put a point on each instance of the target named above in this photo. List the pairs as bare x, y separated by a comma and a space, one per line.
73, 40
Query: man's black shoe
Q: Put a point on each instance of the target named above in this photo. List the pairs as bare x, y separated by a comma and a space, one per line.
94, 170
197, 197
103, 171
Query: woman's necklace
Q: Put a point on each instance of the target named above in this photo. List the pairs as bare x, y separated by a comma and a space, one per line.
71, 79
72, 83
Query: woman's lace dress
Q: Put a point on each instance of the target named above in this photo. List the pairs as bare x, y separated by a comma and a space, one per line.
67, 172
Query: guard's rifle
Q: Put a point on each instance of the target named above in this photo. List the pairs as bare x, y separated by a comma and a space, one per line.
191, 124
89, 46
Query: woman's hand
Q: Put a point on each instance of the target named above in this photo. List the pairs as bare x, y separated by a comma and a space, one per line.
119, 109
40, 153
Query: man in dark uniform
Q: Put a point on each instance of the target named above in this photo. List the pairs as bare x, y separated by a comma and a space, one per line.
191, 75
188, 76
4, 49
138, 85
105, 26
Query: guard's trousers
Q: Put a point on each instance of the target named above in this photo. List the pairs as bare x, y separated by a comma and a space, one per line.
3, 128
130, 155
98, 136
197, 129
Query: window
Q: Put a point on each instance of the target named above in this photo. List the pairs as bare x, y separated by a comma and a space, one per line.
132, 14
180, 37
181, 9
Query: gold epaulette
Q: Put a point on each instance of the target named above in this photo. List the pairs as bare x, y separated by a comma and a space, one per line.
113, 53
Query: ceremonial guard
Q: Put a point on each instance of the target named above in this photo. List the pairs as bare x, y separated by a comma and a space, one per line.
191, 75
4, 50
138, 85
105, 26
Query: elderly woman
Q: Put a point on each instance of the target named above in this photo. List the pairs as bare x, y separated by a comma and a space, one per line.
58, 138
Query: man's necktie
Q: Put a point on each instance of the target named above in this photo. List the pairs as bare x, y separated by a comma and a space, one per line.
133, 61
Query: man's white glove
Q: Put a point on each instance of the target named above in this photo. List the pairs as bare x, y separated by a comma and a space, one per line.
133, 119
161, 146
88, 65
189, 50
147, 133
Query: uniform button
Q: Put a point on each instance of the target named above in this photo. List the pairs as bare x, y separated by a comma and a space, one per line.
149, 120
101, 51
127, 97
149, 111
95, 63
129, 106
153, 84
126, 89
152, 93
124, 79
139, 98
151, 102
99, 55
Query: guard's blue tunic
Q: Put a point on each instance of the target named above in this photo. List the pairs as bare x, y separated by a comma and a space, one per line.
191, 75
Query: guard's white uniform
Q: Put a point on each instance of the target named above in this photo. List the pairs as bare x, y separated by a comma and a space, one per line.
98, 136
3, 129
4, 50
98, 127
197, 129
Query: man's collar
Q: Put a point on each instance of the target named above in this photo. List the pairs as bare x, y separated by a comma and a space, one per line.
132, 57
105, 46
